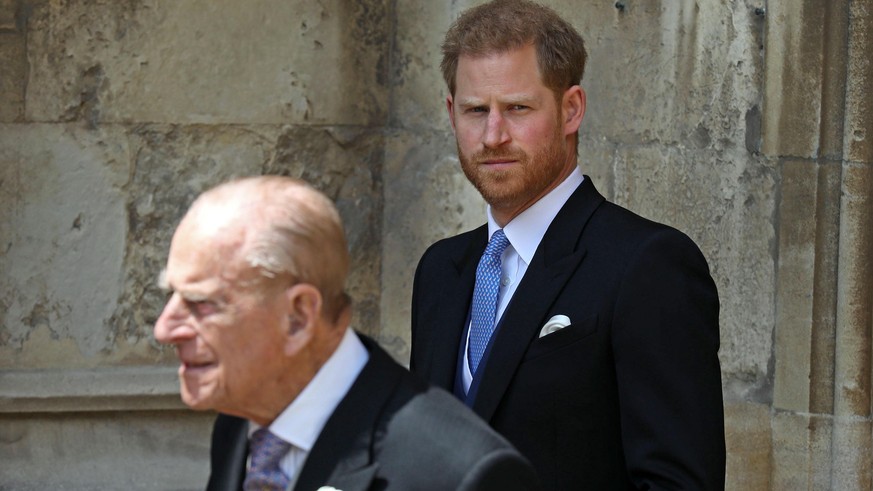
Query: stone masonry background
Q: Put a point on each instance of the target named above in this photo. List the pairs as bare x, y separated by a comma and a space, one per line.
747, 124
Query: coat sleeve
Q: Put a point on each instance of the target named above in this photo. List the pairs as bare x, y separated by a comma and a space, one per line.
665, 345
500, 470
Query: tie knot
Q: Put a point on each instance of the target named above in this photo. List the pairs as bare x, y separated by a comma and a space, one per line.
497, 244
267, 449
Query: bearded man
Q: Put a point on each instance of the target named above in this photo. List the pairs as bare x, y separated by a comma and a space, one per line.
585, 334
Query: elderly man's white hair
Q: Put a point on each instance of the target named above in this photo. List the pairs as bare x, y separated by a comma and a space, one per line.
288, 229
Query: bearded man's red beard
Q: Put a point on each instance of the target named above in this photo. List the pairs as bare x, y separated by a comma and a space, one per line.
524, 180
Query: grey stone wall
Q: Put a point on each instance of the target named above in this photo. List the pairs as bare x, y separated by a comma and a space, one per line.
818, 127
749, 125
113, 117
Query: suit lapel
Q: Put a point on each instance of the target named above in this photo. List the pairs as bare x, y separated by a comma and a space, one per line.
342, 456
229, 452
454, 307
554, 262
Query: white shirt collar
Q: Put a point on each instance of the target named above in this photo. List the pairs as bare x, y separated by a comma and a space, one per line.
526, 231
302, 421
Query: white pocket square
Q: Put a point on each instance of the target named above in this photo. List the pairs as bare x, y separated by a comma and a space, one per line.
328, 488
556, 323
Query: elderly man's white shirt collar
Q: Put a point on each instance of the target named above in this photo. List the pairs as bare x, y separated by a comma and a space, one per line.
302, 421
526, 231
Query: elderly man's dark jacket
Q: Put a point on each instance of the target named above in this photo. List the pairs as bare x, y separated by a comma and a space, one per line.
390, 432
628, 396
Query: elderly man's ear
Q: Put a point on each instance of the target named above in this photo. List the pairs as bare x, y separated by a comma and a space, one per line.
304, 311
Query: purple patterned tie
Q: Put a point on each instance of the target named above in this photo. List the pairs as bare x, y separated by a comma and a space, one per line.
485, 297
267, 451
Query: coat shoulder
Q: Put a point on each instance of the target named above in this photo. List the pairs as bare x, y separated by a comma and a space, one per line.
453, 247
432, 441
625, 230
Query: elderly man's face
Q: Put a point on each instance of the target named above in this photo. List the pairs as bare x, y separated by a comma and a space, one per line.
228, 335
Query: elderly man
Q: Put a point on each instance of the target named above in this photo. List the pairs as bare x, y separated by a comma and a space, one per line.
260, 321
585, 334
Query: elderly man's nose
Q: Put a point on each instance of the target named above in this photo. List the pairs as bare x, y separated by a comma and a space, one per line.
172, 326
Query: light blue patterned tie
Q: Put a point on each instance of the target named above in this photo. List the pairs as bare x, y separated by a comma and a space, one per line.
267, 451
485, 297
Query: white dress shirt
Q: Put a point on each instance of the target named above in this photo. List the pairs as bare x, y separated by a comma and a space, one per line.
525, 232
302, 421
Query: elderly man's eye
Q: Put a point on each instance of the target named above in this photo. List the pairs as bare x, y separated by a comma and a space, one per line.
201, 308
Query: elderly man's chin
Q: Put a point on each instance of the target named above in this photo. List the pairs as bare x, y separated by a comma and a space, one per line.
197, 401
198, 395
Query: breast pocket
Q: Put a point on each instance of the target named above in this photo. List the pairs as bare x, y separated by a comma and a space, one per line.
562, 338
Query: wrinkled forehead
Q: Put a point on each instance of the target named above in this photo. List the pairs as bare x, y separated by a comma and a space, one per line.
204, 250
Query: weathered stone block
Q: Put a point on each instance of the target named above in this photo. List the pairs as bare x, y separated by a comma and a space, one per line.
833, 26
7, 15
796, 276
683, 73
793, 60
852, 467
13, 61
112, 450
824, 281
802, 445
62, 231
859, 90
418, 91
268, 61
748, 444
597, 159
13, 76
855, 294
820, 452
